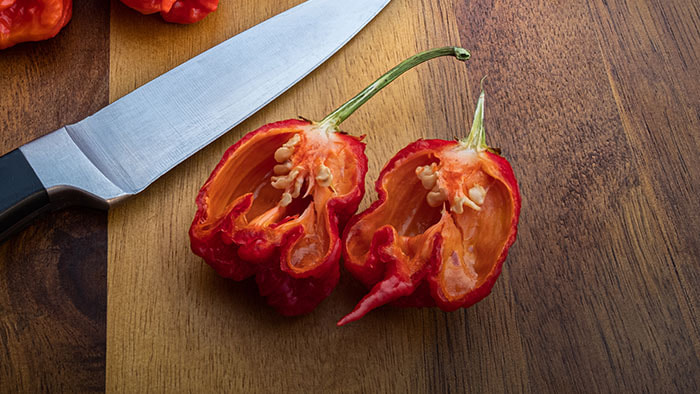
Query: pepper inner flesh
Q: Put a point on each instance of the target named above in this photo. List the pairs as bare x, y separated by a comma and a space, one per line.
248, 174
409, 216
471, 240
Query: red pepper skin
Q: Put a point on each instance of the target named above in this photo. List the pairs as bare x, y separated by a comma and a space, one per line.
175, 11
149, 6
190, 11
385, 268
237, 248
32, 20
290, 241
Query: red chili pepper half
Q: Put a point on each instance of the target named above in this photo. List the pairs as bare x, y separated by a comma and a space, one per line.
175, 11
32, 20
438, 235
275, 204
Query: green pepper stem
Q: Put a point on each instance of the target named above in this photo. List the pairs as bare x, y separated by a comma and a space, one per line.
476, 140
335, 118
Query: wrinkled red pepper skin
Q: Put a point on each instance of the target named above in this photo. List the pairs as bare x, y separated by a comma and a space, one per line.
372, 270
32, 20
384, 273
175, 11
246, 225
241, 253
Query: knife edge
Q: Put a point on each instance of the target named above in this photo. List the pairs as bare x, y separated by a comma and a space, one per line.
132, 142
123, 148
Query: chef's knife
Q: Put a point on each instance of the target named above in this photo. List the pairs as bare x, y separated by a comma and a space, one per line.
124, 147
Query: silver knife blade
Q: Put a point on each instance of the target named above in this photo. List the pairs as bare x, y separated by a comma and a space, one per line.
123, 148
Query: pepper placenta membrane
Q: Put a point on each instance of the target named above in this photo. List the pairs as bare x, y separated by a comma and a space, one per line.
272, 208
438, 235
175, 11
32, 20
275, 204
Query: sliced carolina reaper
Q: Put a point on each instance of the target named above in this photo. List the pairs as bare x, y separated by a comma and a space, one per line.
274, 204
32, 20
439, 233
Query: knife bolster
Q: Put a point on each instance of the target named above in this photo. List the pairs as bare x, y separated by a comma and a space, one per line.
22, 195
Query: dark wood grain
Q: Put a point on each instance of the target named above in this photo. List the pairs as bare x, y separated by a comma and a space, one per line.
651, 51
53, 275
596, 107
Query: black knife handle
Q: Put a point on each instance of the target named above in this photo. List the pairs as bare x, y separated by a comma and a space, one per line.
22, 196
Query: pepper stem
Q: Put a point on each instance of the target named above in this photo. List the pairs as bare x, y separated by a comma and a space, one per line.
476, 140
335, 118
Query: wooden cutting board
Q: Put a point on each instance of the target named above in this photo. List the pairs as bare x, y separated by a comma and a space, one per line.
595, 105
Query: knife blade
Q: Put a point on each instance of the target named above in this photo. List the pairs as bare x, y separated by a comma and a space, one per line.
121, 149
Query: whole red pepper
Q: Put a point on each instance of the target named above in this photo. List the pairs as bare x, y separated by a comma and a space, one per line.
438, 234
32, 20
275, 204
175, 11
